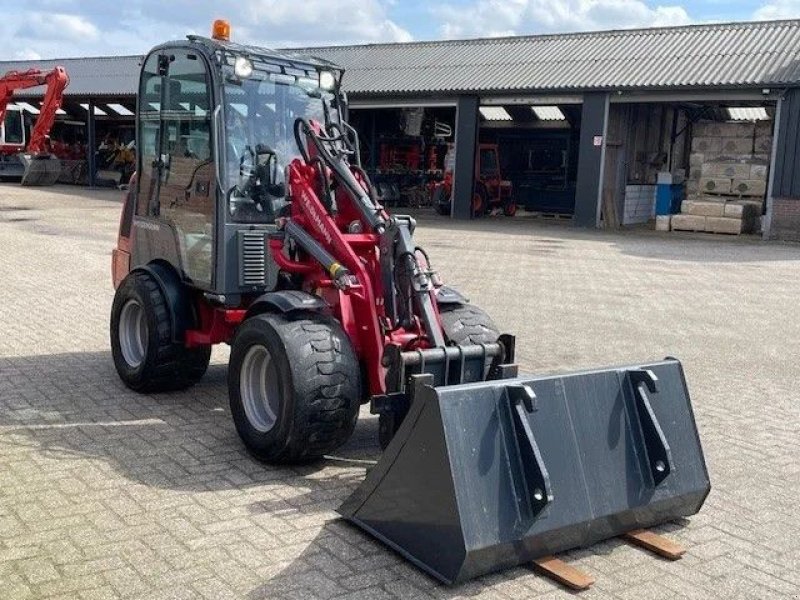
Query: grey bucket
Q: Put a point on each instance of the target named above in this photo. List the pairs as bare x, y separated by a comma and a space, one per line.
41, 170
486, 476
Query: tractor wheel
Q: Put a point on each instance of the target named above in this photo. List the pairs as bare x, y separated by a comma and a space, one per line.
294, 384
441, 201
467, 324
510, 208
480, 201
145, 355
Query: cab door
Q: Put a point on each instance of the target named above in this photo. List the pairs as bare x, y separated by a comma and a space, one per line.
177, 185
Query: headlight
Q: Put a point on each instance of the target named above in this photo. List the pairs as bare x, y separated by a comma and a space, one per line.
243, 67
327, 81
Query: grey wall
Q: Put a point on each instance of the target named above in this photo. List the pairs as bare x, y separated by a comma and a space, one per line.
590, 160
466, 144
787, 160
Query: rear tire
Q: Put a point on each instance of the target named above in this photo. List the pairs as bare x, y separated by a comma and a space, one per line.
145, 355
294, 384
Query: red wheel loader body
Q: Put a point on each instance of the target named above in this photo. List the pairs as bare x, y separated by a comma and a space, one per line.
253, 225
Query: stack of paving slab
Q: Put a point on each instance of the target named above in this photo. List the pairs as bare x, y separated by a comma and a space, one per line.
729, 168
713, 215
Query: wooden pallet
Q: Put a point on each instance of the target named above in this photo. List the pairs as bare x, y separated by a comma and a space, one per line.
551, 216
577, 580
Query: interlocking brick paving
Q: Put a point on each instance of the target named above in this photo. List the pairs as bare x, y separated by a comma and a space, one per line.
108, 494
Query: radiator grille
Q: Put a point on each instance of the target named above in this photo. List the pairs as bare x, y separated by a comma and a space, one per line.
252, 250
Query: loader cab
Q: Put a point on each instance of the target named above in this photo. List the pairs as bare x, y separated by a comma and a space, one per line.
215, 135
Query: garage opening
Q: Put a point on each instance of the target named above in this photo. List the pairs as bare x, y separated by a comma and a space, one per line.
407, 151
538, 146
688, 166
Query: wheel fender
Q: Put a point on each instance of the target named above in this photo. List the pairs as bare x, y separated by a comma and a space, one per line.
179, 302
287, 301
448, 295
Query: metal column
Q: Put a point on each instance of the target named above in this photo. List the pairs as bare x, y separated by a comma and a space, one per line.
91, 145
591, 156
466, 144
773, 160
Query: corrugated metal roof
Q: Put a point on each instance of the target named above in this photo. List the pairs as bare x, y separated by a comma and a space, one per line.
754, 54
723, 55
100, 76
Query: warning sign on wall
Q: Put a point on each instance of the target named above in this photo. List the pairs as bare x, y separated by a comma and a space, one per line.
598, 141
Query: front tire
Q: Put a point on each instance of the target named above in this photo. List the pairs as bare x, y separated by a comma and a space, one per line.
463, 325
294, 384
145, 354
466, 324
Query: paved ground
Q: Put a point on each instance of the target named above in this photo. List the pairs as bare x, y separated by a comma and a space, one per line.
106, 494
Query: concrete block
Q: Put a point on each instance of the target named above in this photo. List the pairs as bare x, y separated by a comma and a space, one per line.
727, 170
724, 225
763, 144
749, 187
764, 128
742, 210
759, 172
692, 187
715, 185
696, 159
688, 223
703, 208
707, 145
737, 130
663, 222
727, 130
737, 145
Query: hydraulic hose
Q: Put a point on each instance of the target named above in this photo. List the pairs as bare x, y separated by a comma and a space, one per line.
340, 167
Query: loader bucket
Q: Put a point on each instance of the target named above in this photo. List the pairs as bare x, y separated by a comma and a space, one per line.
485, 476
40, 170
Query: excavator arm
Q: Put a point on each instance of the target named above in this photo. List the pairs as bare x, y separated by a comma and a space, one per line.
39, 167
56, 82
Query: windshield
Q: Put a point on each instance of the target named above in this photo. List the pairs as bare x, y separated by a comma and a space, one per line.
260, 112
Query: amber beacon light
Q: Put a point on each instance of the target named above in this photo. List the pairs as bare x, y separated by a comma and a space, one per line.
221, 30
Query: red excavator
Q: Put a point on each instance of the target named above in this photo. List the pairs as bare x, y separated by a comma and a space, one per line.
35, 164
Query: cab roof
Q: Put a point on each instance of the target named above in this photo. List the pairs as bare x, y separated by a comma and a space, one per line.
290, 59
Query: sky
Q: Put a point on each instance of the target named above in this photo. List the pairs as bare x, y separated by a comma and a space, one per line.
67, 28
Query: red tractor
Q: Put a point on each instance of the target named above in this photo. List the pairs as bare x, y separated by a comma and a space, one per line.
252, 223
33, 163
491, 194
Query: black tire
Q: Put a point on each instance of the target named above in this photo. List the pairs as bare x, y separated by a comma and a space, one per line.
316, 386
480, 200
441, 201
165, 366
465, 324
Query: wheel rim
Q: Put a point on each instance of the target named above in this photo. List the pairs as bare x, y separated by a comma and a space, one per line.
133, 333
258, 384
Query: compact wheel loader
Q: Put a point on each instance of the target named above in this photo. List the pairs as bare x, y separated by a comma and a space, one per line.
252, 223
